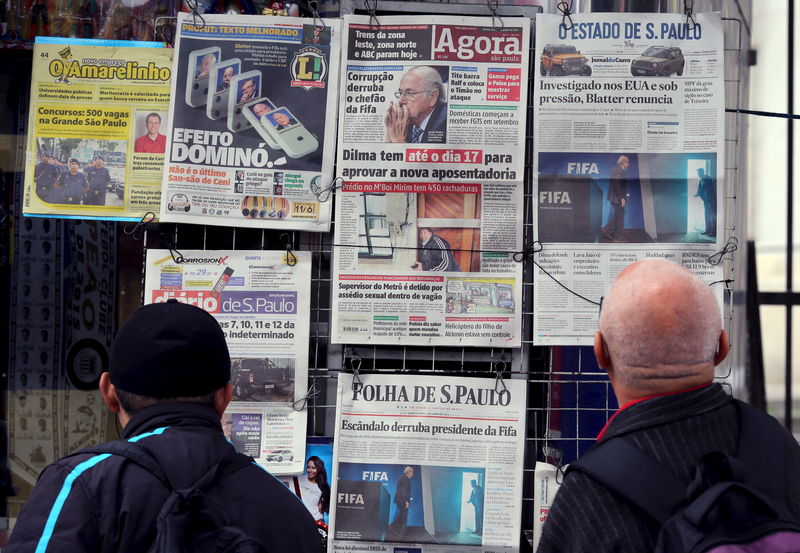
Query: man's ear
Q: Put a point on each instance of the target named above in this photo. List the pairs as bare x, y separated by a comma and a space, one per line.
722, 348
601, 352
222, 398
109, 393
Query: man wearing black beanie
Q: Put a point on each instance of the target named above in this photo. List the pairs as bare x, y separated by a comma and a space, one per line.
169, 385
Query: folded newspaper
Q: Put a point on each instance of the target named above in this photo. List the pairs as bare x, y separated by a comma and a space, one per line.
431, 466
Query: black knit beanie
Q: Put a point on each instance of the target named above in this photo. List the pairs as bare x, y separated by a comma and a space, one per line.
170, 349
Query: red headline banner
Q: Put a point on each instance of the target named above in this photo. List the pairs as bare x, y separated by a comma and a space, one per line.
412, 187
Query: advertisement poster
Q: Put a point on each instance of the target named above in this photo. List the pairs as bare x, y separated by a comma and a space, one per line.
431, 149
253, 122
628, 156
313, 486
262, 304
434, 466
97, 116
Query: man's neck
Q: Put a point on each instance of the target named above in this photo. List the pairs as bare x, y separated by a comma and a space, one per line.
153, 136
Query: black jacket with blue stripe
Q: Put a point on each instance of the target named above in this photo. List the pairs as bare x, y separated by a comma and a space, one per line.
106, 503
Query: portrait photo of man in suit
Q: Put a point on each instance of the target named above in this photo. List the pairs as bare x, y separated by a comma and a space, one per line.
420, 113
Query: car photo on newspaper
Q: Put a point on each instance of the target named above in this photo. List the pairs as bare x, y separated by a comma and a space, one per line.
659, 61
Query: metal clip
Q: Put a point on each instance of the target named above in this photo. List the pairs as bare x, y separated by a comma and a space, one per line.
688, 9
291, 258
492, 5
372, 7
355, 364
138, 228
566, 11
300, 404
499, 383
324, 194
730, 246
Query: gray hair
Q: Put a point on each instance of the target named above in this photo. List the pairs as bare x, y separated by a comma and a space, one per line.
660, 321
432, 80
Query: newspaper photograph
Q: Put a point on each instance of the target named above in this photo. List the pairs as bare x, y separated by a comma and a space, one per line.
628, 156
431, 467
253, 115
95, 146
261, 300
431, 151
313, 486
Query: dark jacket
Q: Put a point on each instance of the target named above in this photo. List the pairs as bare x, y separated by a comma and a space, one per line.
618, 185
436, 130
402, 492
102, 503
676, 430
436, 255
707, 190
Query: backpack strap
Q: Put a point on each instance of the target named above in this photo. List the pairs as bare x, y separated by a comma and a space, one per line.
762, 449
229, 464
134, 453
226, 466
629, 472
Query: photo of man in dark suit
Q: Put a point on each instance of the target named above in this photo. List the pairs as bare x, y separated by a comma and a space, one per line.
402, 499
420, 113
476, 500
617, 197
707, 191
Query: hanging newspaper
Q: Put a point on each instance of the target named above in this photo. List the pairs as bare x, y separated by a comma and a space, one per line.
546, 482
431, 151
262, 304
629, 156
430, 467
253, 122
93, 104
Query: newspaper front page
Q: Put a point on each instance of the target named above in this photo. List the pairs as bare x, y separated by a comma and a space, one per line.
253, 122
434, 466
628, 156
92, 103
262, 304
546, 482
431, 153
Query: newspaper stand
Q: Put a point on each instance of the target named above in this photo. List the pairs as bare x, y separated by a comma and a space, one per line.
568, 395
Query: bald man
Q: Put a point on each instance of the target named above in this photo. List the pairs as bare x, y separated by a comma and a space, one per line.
420, 113
660, 338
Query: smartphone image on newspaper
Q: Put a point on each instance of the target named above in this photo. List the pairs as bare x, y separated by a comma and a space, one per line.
219, 85
244, 88
290, 135
198, 72
254, 111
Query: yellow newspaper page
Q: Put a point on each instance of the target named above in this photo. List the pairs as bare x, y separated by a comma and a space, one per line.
97, 128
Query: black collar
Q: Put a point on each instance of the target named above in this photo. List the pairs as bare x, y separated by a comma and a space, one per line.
172, 414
